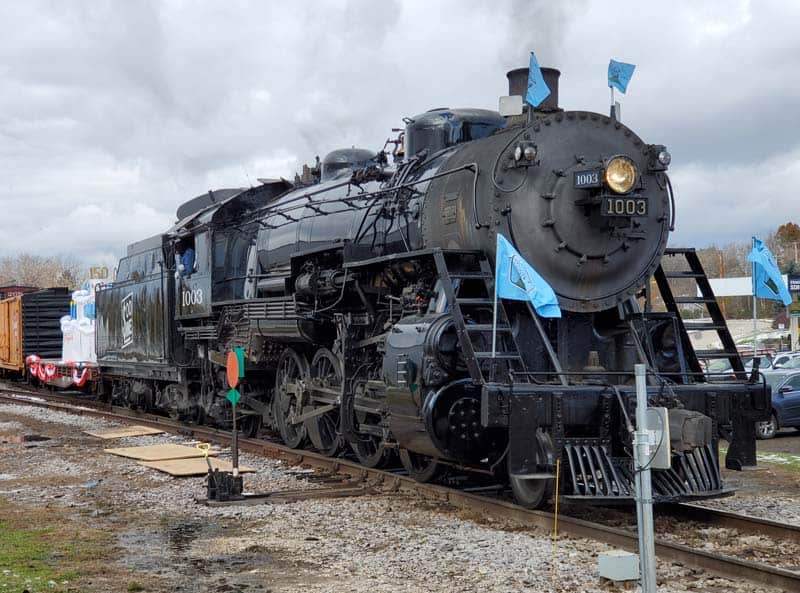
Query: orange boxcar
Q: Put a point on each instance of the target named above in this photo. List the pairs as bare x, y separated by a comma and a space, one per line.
30, 324
11, 334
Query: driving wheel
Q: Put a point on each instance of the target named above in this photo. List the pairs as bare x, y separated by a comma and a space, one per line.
290, 384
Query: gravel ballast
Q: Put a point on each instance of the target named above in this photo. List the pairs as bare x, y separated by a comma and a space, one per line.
382, 543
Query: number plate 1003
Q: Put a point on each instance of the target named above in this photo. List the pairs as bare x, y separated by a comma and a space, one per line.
624, 207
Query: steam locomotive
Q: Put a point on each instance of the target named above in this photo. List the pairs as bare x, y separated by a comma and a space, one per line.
362, 296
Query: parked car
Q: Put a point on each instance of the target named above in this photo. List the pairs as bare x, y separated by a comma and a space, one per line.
785, 404
764, 363
723, 365
784, 360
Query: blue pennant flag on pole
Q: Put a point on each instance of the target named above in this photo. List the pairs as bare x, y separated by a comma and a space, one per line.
767, 279
538, 90
515, 279
619, 75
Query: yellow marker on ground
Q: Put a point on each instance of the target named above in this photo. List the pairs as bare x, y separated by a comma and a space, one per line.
205, 448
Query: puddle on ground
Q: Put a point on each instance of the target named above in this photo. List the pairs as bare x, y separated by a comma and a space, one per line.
182, 534
176, 551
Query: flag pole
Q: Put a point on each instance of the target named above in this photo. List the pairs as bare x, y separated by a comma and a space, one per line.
614, 115
755, 304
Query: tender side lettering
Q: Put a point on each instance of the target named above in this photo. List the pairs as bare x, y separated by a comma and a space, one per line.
127, 320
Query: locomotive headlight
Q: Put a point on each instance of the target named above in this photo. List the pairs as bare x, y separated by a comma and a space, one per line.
664, 157
526, 150
620, 174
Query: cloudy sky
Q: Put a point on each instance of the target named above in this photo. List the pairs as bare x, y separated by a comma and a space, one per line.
113, 113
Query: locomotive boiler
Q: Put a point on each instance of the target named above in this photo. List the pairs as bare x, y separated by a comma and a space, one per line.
362, 294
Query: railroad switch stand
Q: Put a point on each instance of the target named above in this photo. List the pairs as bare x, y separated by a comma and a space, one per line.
223, 486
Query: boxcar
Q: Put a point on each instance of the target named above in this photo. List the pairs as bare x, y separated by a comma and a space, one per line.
29, 324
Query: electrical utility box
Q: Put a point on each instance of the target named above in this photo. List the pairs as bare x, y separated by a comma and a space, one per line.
658, 432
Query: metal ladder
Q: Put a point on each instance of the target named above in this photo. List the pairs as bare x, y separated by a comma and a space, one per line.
472, 314
706, 298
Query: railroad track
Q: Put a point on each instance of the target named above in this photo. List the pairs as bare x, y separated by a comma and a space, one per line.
724, 565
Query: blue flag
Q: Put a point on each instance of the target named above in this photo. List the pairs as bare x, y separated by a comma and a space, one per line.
515, 279
538, 90
619, 75
767, 279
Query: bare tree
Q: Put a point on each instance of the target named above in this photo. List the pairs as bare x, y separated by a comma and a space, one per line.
26, 269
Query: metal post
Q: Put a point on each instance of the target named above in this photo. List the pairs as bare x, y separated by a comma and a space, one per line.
644, 487
755, 306
235, 445
722, 275
613, 113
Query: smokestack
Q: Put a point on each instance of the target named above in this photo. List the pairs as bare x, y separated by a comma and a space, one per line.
518, 85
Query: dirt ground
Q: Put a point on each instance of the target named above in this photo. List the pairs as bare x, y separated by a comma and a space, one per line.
76, 520
786, 441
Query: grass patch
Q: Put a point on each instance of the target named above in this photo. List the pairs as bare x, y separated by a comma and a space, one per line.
26, 560
42, 552
787, 461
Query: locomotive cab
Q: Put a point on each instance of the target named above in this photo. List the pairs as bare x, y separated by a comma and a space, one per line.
221, 228
193, 276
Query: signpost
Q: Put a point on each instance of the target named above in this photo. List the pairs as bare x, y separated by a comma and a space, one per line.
226, 487
793, 282
794, 324
234, 371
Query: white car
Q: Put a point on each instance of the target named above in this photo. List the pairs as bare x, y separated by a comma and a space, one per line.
786, 360
723, 365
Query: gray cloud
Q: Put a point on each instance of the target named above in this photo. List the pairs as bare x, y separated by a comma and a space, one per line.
113, 113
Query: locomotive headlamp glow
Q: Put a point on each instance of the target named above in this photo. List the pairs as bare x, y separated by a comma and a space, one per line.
518, 153
620, 174
664, 157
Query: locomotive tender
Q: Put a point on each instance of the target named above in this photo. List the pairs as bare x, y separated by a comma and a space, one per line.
362, 294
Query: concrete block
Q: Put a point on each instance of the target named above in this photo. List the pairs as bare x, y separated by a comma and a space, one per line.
619, 565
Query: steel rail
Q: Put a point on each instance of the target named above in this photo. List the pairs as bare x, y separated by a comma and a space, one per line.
726, 566
739, 522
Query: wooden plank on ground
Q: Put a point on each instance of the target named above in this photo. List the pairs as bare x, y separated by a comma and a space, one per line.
125, 431
192, 467
159, 452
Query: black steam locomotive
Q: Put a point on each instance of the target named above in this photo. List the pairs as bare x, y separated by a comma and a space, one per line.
362, 294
